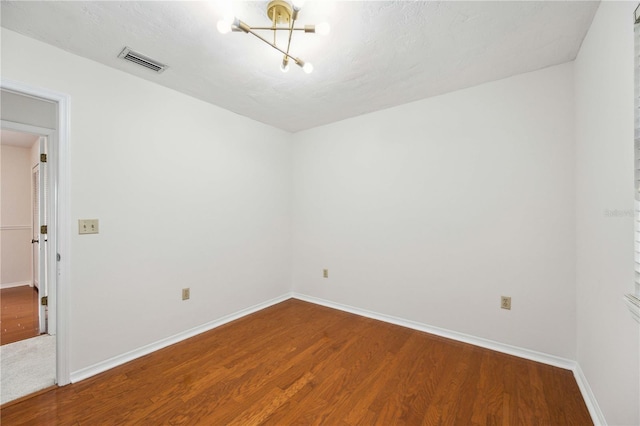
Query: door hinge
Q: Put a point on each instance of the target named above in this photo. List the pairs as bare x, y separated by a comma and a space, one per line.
43, 158
45, 301
43, 229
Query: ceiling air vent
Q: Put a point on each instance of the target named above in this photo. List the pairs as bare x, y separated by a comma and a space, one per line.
145, 61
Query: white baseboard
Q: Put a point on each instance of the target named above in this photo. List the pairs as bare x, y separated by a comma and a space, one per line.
453, 335
589, 398
16, 284
567, 364
108, 364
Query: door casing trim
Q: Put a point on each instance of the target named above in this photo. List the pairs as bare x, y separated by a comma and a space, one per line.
59, 173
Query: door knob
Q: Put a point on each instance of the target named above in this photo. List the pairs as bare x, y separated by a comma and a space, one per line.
35, 241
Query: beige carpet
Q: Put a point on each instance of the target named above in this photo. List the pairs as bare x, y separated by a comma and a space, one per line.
26, 367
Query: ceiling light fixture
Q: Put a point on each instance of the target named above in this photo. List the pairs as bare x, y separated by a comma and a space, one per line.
283, 16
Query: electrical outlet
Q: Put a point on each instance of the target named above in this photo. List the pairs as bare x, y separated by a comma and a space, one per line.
505, 302
325, 273
186, 293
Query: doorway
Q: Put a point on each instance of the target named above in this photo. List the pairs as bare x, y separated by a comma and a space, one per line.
23, 255
28, 108
19, 277
27, 347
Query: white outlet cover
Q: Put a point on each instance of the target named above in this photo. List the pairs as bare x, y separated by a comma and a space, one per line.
88, 226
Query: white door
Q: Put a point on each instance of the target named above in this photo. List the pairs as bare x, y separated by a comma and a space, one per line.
39, 239
35, 223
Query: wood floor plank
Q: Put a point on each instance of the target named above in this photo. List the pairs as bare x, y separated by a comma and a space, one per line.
296, 363
487, 408
19, 314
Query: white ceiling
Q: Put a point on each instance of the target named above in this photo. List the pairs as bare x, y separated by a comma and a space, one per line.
19, 139
379, 53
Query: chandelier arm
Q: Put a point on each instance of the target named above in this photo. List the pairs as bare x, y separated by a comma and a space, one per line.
293, 22
249, 30
279, 29
274, 25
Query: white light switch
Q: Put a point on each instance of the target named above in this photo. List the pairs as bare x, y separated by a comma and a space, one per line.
88, 226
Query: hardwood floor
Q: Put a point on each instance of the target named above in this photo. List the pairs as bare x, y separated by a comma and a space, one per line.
19, 316
299, 363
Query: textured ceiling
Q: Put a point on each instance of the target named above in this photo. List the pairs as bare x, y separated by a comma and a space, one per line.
379, 53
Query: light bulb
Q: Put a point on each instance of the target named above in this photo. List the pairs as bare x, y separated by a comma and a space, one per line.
323, 28
284, 66
308, 68
297, 4
224, 26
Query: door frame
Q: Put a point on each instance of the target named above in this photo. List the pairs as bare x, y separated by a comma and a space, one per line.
35, 251
40, 217
58, 171
41, 173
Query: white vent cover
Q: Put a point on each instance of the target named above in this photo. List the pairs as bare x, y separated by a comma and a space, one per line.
142, 60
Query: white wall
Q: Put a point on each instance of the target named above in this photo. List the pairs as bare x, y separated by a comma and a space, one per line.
432, 210
15, 222
187, 194
608, 343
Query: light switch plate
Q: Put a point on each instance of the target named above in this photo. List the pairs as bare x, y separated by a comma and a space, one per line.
88, 226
